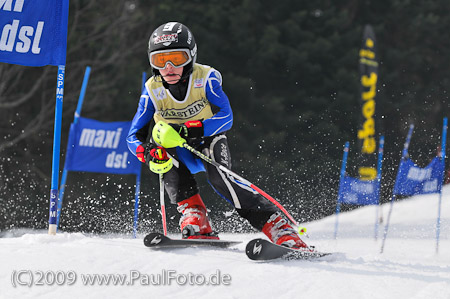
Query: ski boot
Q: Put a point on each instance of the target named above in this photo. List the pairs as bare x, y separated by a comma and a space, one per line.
281, 233
194, 222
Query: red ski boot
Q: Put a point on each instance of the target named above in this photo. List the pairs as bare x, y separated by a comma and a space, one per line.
281, 233
194, 223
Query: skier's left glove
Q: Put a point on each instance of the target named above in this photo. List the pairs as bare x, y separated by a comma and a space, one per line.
190, 129
157, 158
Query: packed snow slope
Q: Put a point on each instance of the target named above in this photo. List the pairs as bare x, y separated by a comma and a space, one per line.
36, 265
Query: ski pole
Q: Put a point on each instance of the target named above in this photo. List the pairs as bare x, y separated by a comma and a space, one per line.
173, 139
161, 201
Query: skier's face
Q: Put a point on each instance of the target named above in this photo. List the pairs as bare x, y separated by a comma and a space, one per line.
171, 74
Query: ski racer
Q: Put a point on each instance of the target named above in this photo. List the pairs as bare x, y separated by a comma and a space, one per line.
189, 97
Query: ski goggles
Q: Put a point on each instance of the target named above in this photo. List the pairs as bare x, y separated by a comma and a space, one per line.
178, 58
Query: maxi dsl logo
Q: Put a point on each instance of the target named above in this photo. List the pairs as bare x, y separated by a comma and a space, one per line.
105, 139
18, 38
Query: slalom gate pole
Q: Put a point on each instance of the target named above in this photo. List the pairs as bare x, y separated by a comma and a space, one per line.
62, 186
241, 180
443, 142
379, 165
136, 204
143, 80
137, 191
56, 151
404, 155
62, 189
341, 182
161, 200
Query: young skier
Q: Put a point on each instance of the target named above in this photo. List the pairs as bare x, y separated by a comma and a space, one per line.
189, 97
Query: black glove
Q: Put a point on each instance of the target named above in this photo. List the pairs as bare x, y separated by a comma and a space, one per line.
190, 129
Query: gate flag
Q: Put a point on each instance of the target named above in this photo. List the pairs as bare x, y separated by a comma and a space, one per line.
412, 179
96, 146
33, 33
357, 192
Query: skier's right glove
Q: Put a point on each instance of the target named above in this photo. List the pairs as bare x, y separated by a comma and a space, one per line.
140, 153
157, 159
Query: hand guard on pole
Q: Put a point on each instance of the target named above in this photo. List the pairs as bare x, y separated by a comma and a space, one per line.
167, 136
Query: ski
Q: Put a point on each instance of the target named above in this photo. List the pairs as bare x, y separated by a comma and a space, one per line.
263, 250
159, 241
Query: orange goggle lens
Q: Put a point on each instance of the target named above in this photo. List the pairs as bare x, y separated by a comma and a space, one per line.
177, 58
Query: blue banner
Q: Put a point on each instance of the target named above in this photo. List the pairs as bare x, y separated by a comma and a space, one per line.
96, 146
412, 179
33, 33
358, 192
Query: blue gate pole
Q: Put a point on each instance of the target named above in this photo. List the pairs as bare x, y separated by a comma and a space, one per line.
136, 203
341, 181
56, 151
443, 143
404, 155
379, 166
62, 187
144, 79
138, 177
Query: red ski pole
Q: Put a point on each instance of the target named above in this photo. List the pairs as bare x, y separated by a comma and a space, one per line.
166, 136
161, 200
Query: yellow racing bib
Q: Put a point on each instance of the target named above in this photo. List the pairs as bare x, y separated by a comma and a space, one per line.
195, 105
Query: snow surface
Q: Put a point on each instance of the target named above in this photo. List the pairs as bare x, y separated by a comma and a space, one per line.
408, 268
